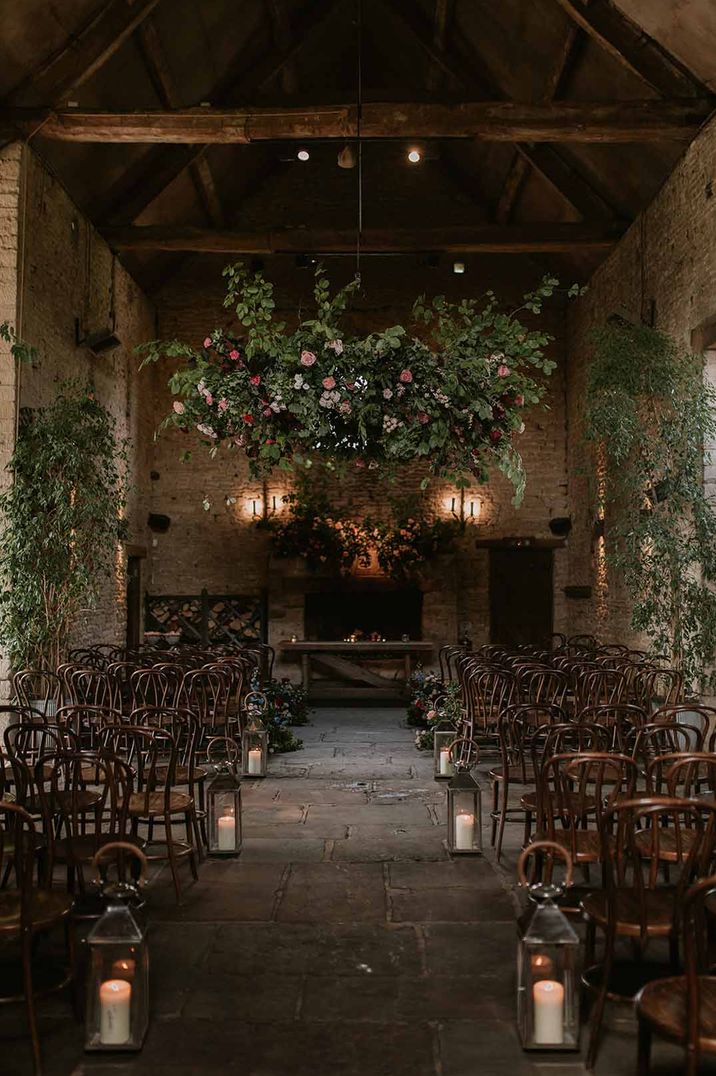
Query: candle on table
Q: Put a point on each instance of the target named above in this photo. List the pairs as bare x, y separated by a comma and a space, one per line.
445, 764
226, 827
124, 969
255, 760
115, 998
464, 831
548, 997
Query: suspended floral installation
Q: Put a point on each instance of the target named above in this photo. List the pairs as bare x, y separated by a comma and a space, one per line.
453, 397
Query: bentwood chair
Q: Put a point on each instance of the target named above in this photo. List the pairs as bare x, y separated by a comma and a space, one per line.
632, 904
28, 911
682, 1009
38, 690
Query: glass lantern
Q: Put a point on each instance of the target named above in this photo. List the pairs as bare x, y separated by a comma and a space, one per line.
117, 1013
444, 735
547, 985
464, 801
254, 740
223, 799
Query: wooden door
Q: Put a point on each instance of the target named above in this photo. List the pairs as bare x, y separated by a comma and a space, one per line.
520, 596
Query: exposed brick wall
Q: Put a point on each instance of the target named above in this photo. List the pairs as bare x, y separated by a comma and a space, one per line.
664, 267
221, 550
66, 273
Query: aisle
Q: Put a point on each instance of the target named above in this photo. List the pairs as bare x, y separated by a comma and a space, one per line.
344, 942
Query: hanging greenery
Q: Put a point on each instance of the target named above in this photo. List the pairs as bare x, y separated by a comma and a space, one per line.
60, 522
649, 414
454, 398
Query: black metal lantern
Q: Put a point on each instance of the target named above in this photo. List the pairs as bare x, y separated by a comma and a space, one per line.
223, 798
254, 740
464, 800
117, 1012
547, 986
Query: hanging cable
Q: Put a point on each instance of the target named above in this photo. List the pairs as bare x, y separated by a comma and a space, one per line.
359, 111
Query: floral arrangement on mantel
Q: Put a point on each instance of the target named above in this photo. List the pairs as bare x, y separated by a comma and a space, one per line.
454, 398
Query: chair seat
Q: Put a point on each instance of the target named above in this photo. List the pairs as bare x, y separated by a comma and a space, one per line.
83, 847
181, 774
47, 907
82, 800
514, 773
659, 911
143, 806
663, 1003
584, 845
667, 848
528, 802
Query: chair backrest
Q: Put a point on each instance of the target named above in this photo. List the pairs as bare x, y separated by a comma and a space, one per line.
698, 955
151, 752
157, 685
599, 686
39, 689
692, 715
689, 775
181, 724
576, 790
662, 738
206, 692
18, 845
656, 687
542, 684
620, 718
634, 833
489, 693
519, 726
86, 721
89, 687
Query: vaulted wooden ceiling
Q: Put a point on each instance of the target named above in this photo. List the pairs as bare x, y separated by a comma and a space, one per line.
512, 105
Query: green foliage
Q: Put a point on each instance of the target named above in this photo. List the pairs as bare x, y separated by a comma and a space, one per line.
454, 398
60, 522
19, 350
649, 414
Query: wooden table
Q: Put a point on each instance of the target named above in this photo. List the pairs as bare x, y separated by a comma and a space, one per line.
336, 658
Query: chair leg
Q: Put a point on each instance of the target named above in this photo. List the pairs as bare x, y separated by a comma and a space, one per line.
601, 999
30, 1000
503, 817
528, 828
190, 819
643, 1057
493, 832
171, 856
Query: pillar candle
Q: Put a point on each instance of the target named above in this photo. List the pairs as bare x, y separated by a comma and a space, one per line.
115, 999
255, 760
445, 764
464, 831
548, 997
226, 829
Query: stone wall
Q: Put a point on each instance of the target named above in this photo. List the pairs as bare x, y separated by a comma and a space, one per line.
663, 272
66, 279
220, 549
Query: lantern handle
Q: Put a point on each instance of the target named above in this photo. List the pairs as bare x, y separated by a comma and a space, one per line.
551, 846
251, 697
233, 752
464, 740
124, 847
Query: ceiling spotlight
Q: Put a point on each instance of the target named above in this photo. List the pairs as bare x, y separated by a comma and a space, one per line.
414, 156
347, 157
303, 155
458, 267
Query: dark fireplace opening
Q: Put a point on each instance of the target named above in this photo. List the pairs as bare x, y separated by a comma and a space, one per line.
364, 609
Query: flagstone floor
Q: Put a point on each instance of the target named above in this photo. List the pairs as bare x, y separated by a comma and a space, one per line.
344, 941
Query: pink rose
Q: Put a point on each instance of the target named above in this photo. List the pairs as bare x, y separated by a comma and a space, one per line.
307, 358
256, 379
234, 355
267, 412
329, 383
423, 418
209, 398
406, 376
207, 342
223, 403
503, 371
178, 407
519, 400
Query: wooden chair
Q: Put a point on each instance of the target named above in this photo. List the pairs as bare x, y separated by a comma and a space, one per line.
489, 693
89, 687
86, 722
33, 686
620, 718
516, 730
683, 1008
632, 905
649, 741
152, 753
28, 911
541, 684
694, 715
157, 685
206, 693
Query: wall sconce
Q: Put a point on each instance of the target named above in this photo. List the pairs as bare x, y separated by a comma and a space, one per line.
465, 509
254, 507
262, 506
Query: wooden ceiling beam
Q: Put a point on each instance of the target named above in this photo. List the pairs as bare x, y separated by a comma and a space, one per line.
483, 239
489, 121
580, 192
149, 177
633, 48
84, 54
159, 72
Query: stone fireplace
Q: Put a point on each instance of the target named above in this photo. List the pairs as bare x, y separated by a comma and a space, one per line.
321, 607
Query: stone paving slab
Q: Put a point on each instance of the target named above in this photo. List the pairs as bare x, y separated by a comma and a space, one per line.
333, 892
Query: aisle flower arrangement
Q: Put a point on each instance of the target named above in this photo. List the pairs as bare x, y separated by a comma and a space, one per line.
423, 689
447, 709
453, 397
285, 706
